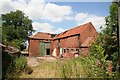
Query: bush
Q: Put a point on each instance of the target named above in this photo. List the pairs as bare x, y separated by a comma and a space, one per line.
97, 50
91, 69
20, 63
8, 66
85, 67
7, 61
82, 67
28, 70
16, 67
16, 43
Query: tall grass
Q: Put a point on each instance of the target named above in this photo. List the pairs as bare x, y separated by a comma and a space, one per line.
82, 67
72, 69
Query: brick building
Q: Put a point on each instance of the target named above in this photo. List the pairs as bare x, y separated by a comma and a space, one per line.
39, 44
70, 43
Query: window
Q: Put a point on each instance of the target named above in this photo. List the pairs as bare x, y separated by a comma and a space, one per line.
67, 50
64, 50
72, 50
77, 50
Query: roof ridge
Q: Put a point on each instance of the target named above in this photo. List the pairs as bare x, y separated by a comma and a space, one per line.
89, 23
80, 27
74, 28
77, 27
46, 32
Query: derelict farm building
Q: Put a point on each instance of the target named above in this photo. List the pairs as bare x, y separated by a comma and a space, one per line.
73, 42
39, 44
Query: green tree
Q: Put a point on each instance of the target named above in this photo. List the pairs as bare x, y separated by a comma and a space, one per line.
16, 27
111, 34
107, 39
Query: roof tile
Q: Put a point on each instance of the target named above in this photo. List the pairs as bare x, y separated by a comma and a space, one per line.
73, 31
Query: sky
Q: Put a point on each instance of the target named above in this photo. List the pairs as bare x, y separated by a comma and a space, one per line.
56, 17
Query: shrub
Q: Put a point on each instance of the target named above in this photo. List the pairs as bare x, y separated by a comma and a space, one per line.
97, 50
28, 70
16, 43
7, 61
82, 67
20, 63
15, 67
91, 69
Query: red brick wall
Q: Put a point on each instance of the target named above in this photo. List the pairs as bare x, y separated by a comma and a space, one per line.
84, 51
70, 42
33, 47
89, 31
68, 55
53, 45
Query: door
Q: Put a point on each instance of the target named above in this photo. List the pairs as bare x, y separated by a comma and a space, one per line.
44, 48
60, 51
48, 51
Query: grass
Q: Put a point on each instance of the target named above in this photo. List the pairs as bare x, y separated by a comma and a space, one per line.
56, 69
82, 67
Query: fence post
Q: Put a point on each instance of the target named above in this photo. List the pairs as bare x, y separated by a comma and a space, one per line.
119, 35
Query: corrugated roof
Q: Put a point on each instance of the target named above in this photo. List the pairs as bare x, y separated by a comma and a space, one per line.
73, 31
87, 42
42, 35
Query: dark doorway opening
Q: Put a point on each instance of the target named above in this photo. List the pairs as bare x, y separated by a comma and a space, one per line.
48, 51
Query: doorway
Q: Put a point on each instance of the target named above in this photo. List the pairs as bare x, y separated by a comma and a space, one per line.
44, 48
48, 51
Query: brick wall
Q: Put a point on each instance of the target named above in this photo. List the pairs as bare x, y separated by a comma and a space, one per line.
89, 31
84, 51
70, 42
33, 47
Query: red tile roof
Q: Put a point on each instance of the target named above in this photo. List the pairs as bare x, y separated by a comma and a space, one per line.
42, 35
73, 31
87, 42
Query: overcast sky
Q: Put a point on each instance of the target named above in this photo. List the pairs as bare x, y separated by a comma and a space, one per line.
56, 17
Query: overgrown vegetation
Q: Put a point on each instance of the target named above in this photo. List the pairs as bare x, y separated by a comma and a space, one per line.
14, 66
81, 67
16, 29
105, 47
85, 67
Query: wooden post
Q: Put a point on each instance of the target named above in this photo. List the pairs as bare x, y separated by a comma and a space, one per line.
119, 36
79, 40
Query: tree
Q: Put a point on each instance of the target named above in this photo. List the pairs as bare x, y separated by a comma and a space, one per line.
16, 27
107, 39
111, 32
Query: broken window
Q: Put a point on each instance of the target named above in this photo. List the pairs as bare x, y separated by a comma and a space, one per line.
72, 50
64, 50
67, 50
77, 50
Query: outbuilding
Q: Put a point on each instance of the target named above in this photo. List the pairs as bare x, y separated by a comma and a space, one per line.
70, 43
39, 44
73, 42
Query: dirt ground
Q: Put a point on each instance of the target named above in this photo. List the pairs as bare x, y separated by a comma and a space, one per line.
34, 61
50, 67
43, 67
